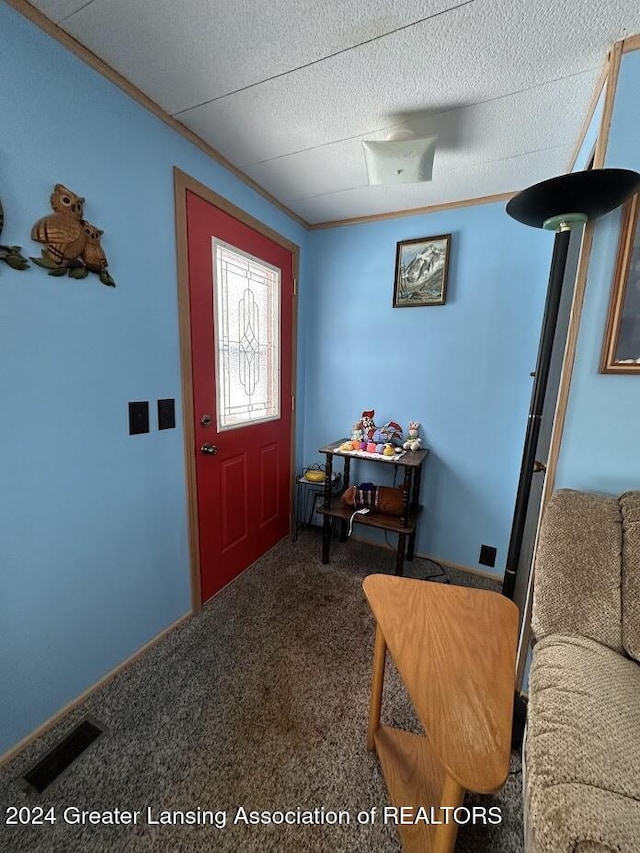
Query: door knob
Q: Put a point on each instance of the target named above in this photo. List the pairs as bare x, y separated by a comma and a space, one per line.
539, 466
209, 449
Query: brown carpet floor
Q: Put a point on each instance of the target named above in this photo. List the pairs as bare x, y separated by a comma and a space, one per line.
259, 702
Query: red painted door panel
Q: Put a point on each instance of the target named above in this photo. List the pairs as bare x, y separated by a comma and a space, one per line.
244, 489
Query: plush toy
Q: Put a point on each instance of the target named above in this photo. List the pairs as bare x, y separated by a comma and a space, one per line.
413, 442
375, 498
366, 430
390, 433
367, 425
393, 433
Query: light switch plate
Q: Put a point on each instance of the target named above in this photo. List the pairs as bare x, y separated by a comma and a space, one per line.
166, 414
138, 417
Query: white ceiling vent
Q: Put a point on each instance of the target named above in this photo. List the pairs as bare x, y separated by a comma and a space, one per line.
403, 158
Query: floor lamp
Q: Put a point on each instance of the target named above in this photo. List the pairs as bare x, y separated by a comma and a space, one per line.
559, 205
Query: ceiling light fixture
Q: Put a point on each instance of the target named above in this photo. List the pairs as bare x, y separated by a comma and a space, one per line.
402, 158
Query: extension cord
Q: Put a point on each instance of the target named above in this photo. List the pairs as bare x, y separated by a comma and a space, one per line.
363, 511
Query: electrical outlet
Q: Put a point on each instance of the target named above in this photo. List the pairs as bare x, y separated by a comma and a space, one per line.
487, 556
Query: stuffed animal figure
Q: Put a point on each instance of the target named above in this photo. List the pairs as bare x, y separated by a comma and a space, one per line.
393, 433
367, 425
367, 436
413, 442
375, 498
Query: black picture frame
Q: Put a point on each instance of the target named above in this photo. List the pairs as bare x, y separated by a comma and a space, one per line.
422, 271
621, 348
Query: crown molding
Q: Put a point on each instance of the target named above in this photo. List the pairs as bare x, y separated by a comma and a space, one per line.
415, 211
70, 43
593, 103
631, 43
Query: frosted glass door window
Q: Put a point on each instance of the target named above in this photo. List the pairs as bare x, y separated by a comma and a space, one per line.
247, 335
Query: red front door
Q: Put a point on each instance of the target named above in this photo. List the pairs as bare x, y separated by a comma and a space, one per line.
241, 295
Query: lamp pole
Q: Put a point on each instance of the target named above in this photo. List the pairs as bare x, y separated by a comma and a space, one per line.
543, 363
588, 195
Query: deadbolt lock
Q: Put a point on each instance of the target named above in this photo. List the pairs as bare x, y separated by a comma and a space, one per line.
206, 421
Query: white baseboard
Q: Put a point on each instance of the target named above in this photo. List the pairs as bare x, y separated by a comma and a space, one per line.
14, 750
461, 568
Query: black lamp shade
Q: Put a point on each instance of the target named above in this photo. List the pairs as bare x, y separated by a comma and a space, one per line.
593, 193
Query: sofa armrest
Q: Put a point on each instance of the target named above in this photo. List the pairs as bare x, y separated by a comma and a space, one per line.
578, 569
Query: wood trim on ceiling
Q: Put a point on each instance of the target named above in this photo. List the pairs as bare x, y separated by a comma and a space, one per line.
184, 183
631, 43
612, 84
70, 43
568, 361
414, 211
55, 718
593, 103
628, 44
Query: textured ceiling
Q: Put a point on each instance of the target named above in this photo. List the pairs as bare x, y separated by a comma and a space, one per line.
287, 89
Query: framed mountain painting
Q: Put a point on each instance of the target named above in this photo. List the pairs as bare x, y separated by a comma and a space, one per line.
422, 267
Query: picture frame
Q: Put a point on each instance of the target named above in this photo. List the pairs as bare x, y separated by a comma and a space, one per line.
621, 348
422, 270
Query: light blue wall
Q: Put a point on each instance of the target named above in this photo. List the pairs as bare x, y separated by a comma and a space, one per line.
461, 369
93, 534
600, 447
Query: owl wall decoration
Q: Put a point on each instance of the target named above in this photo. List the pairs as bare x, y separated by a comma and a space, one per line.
11, 255
71, 244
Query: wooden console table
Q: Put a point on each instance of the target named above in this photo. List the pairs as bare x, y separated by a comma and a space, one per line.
455, 650
404, 526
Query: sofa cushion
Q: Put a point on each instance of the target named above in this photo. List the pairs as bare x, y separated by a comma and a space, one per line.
630, 506
582, 749
578, 571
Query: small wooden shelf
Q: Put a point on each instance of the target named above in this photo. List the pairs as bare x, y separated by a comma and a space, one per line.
409, 459
382, 520
405, 526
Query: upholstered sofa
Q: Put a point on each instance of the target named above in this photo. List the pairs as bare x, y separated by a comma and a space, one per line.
582, 744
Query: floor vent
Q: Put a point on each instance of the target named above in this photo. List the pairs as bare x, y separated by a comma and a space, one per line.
62, 755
